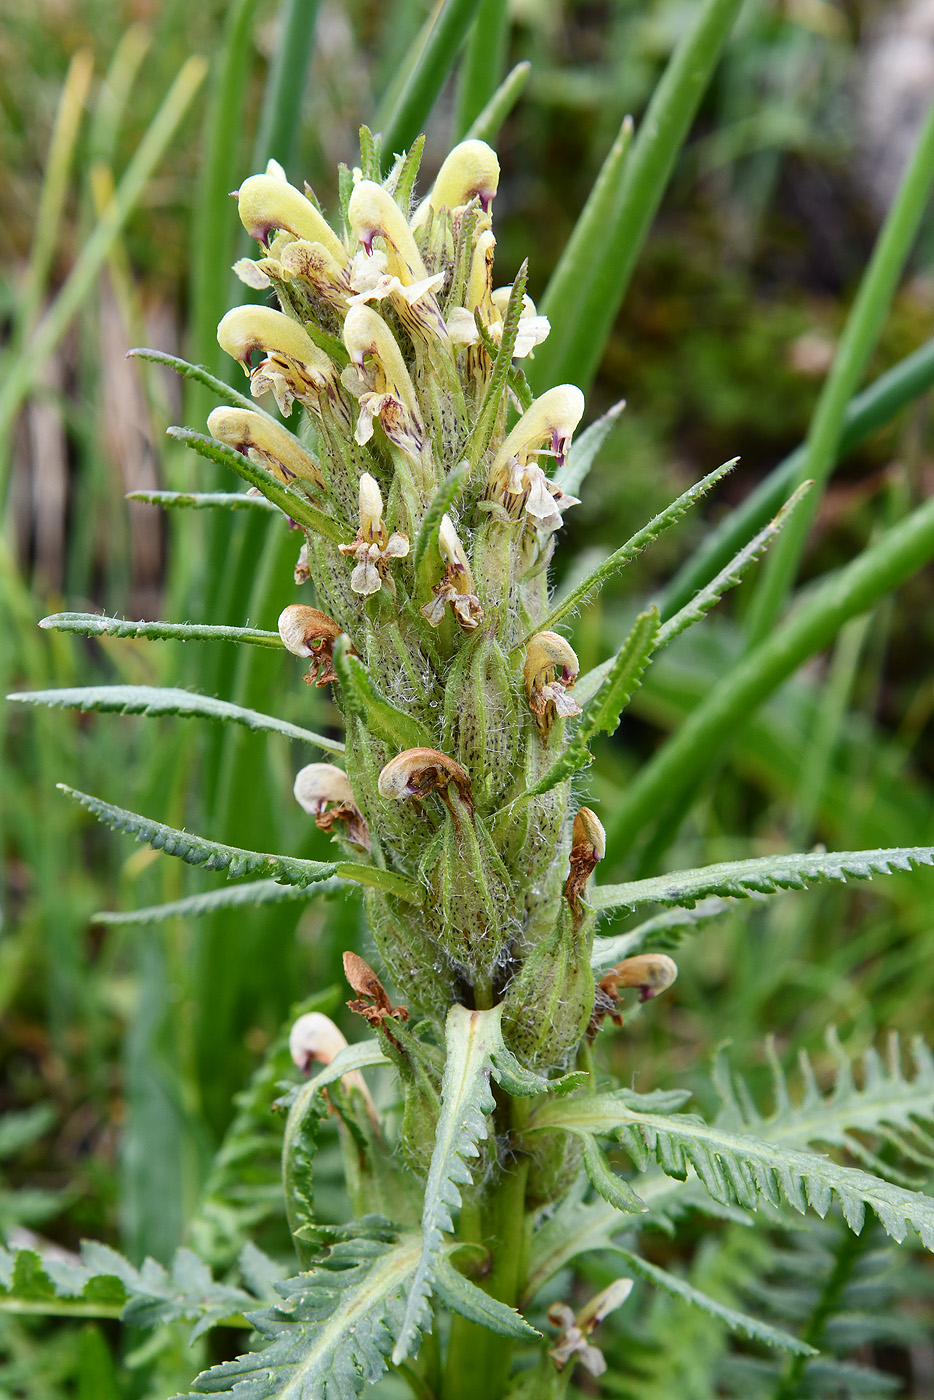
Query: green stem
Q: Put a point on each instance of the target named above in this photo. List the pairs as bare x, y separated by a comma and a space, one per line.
860, 336
473, 1351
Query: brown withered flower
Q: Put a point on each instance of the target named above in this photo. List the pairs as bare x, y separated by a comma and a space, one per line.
550, 670
325, 793
652, 973
418, 772
372, 1002
588, 847
307, 632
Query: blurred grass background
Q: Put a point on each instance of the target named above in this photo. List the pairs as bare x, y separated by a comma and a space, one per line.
124, 1046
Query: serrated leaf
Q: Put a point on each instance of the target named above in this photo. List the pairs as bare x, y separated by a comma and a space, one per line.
156, 701
363, 698
331, 1336
766, 875
94, 625
204, 500
740, 1322
439, 505
199, 375
249, 895
462, 1296
471, 1037
488, 413
614, 1189
621, 678
633, 547
732, 573
198, 850
294, 503
738, 1168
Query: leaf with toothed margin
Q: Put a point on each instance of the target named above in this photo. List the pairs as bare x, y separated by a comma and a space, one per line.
204, 500
156, 701
662, 931
95, 625
297, 507
633, 547
251, 895
471, 1037
738, 878
461, 1296
199, 375
198, 850
737, 1167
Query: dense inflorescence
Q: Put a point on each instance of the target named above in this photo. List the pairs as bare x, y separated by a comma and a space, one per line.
440, 478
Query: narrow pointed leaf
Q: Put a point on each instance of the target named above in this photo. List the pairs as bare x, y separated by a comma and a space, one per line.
737, 878
408, 112
662, 931
363, 698
295, 504
198, 850
204, 500
584, 449
464, 1297
250, 895
486, 126
94, 625
632, 548
199, 375
614, 1189
156, 701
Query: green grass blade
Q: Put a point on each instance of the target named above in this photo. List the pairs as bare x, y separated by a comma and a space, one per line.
871, 410
764, 875
484, 60
664, 783
408, 112
486, 126
93, 625
281, 113
860, 337
200, 850
583, 307
155, 701
632, 548
296, 507
25, 368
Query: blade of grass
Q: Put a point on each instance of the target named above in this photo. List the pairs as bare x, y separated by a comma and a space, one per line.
486, 126
583, 307
666, 782
25, 368
54, 189
871, 410
860, 337
281, 113
483, 61
401, 117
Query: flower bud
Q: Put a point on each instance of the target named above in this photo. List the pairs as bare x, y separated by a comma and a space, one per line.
549, 1002
553, 417
262, 439
470, 170
371, 213
314, 1039
371, 509
588, 847
652, 973
266, 203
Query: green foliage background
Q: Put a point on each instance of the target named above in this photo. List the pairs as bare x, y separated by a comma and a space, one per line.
124, 1046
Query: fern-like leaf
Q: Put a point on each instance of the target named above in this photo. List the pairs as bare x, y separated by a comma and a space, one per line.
94, 625
156, 701
740, 1168
738, 878
471, 1037
632, 548
333, 1332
